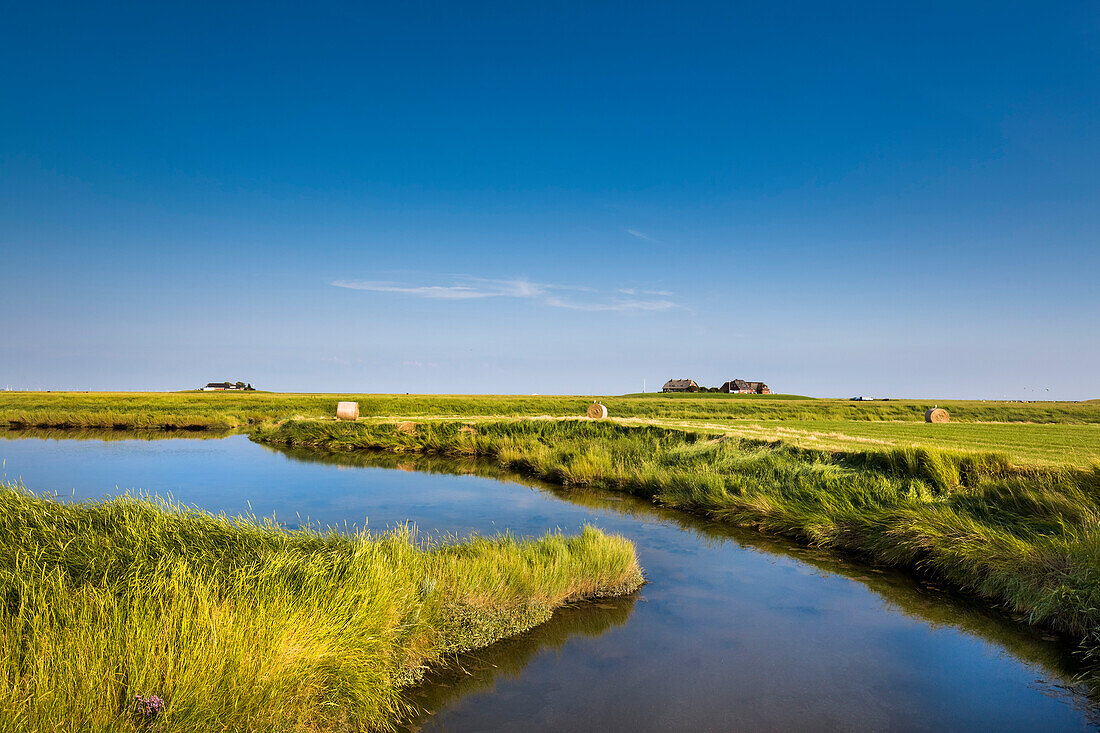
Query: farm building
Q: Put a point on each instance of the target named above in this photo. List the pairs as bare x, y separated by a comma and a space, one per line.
680, 385
221, 386
740, 386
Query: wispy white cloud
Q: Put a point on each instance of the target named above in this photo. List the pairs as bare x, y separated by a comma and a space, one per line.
441, 292
639, 235
633, 291
552, 295
615, 305
464, 288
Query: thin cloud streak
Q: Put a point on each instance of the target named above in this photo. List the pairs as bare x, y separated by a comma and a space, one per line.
491, 289
639, 235
615, 306
455, 292
472, 288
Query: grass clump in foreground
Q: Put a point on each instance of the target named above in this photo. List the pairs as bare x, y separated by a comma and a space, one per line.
1025, 538
109, 609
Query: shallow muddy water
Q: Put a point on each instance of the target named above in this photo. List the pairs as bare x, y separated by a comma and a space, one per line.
733, 632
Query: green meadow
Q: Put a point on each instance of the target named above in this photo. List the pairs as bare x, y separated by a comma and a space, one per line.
1041, 433
1048, 444
226, 410
243, 625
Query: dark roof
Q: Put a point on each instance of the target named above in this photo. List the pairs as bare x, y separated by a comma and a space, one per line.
680, 384
219, 384
741, 384
736, 384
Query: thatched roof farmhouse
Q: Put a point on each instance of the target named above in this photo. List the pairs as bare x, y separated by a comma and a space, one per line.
740, 386
680, 385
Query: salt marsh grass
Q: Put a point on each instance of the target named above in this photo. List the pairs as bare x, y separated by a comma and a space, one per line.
238, 624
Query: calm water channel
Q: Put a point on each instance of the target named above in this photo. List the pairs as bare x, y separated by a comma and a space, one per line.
733, 631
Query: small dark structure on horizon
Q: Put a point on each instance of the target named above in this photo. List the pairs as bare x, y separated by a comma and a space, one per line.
225, 386
680, 385
740, 386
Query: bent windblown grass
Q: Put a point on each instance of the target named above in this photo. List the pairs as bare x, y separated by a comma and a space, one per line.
108, 608
1026, 538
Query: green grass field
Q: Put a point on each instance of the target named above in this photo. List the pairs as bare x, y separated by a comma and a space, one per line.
1044, 433
199, 410
238, 625
1044, 444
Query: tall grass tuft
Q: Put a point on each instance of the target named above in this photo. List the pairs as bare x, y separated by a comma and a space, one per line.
131, 615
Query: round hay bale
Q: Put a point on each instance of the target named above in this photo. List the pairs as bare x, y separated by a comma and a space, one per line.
937, 414
347, 410
409, 428
597, 411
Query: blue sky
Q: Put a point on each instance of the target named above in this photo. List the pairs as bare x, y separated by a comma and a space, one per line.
836, 199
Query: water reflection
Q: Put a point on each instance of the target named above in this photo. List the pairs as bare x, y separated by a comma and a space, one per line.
479, 671
106, 435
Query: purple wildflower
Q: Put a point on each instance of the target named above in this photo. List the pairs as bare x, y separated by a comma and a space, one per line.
148, 707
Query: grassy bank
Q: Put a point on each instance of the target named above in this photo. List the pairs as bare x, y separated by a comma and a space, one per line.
237, 625
223, 411
1025, 538
1041, 444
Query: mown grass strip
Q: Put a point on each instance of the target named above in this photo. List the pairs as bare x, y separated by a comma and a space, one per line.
241, 625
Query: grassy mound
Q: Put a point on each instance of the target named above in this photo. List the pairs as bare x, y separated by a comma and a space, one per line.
107, 609
1026, 538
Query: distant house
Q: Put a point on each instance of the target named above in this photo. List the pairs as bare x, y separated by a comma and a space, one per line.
740, 386
680, 385
222, 386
